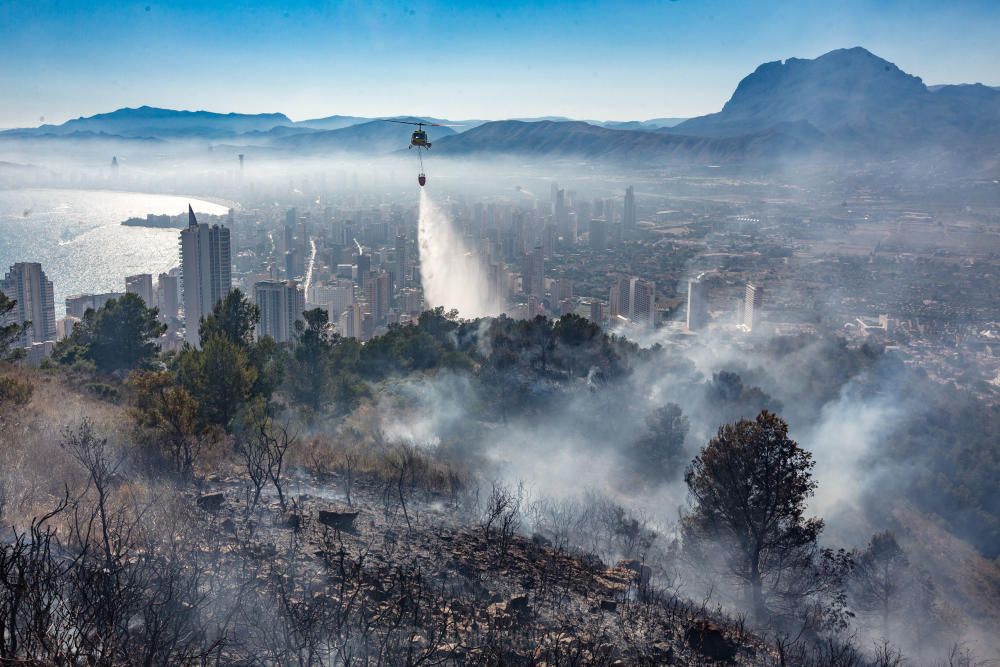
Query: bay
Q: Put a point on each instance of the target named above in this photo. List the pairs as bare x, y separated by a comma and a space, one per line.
78, 238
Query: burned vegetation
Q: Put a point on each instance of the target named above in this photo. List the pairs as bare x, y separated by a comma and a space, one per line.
211, 508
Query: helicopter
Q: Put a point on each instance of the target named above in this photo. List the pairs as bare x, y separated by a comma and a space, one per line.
419, 140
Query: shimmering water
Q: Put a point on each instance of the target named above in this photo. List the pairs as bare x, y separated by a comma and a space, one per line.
77, 237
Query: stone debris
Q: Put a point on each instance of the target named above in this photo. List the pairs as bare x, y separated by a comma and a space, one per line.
709, 640
464, 601
211, 502
337, 520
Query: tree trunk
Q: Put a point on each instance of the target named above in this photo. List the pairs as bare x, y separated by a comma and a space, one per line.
757, 592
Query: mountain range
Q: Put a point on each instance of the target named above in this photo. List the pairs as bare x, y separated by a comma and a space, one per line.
848, 102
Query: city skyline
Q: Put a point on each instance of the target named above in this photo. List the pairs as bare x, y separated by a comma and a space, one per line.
592, 60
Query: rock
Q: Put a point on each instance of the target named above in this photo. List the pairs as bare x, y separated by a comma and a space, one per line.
707, 639
540, 540
211, 502
642, 572
592, 562
609, 605
518, 604
663, 653
229, 526
337, 520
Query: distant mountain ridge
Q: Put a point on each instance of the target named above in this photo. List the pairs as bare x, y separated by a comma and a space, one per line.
845, 104
158, 123
375, 136
145, 121
854, 98
579, 140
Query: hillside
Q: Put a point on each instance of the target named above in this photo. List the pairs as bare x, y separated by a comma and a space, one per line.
579, 140
372, 138
848, 104
395, 494
856, 99
163, 123
347, 561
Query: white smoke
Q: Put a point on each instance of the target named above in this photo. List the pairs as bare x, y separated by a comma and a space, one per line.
453, 276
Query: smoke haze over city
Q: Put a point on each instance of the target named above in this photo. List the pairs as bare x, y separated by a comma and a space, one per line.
503, 334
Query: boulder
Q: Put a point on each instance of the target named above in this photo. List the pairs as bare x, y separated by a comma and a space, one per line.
337, 520
642, 572
592, 562
707, 639
518, 604
211, 502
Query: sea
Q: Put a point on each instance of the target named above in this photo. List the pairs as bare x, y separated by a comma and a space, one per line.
78, 238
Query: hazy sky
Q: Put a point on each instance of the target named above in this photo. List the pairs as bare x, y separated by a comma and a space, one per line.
606, 60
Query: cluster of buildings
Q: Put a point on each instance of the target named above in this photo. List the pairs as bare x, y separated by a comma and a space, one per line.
361, 266
748, 309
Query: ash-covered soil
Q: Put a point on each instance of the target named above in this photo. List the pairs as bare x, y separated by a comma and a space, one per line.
407, 577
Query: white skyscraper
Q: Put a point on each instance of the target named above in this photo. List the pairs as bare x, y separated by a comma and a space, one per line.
206, 267
166, 297
350, 322
642, 301
141, 284
27, 284
281, 305
752, 302
629, 217
697, 305
341, 297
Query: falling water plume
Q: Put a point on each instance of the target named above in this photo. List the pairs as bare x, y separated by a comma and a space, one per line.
453, 275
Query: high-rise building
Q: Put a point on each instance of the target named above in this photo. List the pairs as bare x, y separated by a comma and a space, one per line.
598, 234
572, 229
548, 241
562, 289
78, 304
411, 301
364, 265
340, 298
295, 263
533, 276
642, 302
697, 305
497, 283
166, 297
559, 212
619, 299
206, 267
401, 263
752, 302
596, 312
142, 285
281, 304
377, 294
351, 322
609, 210
27, 284
629, 220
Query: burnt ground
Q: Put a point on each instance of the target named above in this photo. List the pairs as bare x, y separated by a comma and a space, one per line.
373, 583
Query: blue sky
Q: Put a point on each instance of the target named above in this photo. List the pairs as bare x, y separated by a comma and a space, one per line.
607, 60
